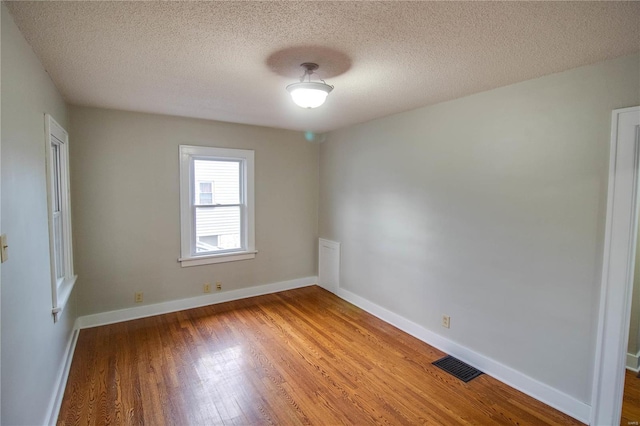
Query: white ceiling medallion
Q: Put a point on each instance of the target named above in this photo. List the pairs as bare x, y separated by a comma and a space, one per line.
309, 94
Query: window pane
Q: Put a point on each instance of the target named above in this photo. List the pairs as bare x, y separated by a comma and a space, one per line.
55, 159
58, 244
217, 228
205, 198
205, 187
225, 174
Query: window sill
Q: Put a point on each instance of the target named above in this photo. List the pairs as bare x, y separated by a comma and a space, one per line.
63, 294
217, 258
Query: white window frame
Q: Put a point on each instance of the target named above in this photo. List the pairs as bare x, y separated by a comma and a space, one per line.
188, 255
62, 287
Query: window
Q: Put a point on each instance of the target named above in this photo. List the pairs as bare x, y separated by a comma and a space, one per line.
205, 193
59, 207
216, 205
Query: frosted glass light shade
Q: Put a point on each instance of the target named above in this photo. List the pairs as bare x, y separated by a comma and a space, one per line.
309, 94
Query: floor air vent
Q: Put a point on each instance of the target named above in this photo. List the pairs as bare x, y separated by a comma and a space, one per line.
457, 368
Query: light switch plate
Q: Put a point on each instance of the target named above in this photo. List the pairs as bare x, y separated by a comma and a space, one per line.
4, 253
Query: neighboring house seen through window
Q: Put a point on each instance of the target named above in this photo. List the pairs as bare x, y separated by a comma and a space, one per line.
216, 193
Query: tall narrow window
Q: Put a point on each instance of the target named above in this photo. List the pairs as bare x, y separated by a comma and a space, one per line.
216, 196
59, 206
56, 195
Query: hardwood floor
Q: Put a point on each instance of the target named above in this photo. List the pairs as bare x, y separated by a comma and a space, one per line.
298, 357
631, 400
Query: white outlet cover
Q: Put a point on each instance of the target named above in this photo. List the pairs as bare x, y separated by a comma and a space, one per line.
446, 321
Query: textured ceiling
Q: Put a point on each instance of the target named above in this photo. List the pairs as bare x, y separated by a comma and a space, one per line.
229, 60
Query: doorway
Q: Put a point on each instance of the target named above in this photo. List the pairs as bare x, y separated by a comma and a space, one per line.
617, 268
631, 394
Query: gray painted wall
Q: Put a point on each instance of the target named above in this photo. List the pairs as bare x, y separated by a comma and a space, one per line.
489, 209
126, 212
32, 345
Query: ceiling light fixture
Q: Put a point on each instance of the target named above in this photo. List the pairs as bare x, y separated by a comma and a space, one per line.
309, 94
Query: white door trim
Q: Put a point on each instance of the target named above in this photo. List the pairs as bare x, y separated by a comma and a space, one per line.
617, 268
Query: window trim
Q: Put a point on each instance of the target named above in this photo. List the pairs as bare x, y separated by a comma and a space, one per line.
187, 193
60, 288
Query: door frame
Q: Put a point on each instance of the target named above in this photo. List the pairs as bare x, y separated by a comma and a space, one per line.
617, 268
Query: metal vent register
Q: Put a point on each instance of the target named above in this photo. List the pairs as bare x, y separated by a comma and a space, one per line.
457, 368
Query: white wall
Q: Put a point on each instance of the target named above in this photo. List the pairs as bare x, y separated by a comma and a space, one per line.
33, 347
125, 188
489, 209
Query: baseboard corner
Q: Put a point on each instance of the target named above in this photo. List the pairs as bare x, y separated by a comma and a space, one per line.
633, 362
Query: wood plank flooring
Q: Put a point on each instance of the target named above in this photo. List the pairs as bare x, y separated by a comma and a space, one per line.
631, 399
297, 357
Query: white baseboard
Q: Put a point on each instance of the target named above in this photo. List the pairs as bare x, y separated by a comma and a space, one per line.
61, 381
112, 317
540, 391
633, 362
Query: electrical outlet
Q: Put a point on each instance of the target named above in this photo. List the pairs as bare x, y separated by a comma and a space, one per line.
446, 321
138, 297
207, 288
218, 286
